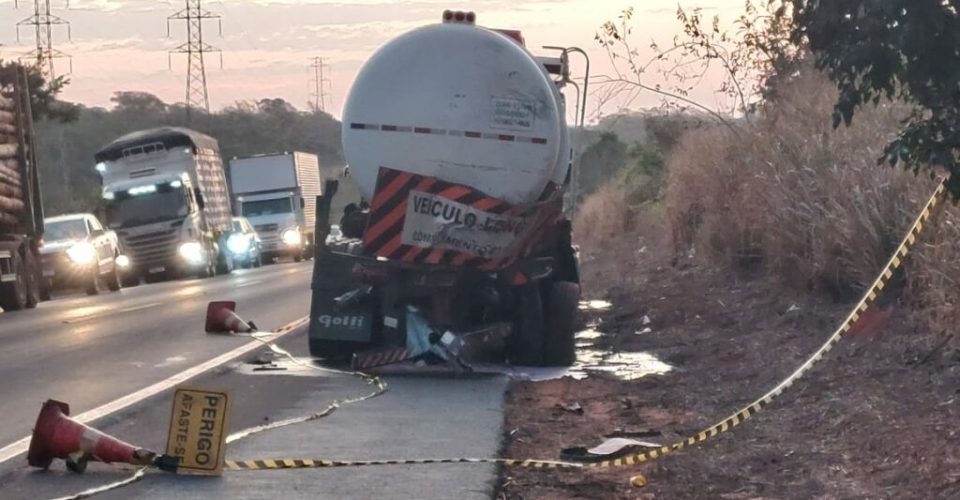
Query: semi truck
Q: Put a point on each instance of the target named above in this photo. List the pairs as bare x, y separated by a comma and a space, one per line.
456, 136
165, 194
21, 208
278, 193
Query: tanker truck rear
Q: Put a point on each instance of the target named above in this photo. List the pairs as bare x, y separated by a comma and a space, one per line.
456, 136
21, 211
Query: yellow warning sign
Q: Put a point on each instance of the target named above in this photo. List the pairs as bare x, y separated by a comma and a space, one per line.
198, 430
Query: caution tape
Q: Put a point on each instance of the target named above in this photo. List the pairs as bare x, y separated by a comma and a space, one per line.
307, 463
723, 426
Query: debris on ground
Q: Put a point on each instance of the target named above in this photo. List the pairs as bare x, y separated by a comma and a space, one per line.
868, 422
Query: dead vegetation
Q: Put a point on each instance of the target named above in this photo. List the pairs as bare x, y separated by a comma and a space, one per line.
791, 198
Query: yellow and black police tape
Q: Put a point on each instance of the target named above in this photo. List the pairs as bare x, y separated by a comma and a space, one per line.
721, 427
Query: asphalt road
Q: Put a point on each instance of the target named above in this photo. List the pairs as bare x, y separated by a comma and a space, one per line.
88, 351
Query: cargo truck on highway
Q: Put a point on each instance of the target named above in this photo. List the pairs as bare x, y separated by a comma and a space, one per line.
165, 195
21, 210
457, 138
278, 193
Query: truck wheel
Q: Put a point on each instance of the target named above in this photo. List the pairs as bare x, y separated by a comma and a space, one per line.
560, 324
33, 279
46, 290
113, 280
13, 295
93, 284
257, 261
224, 265
526, 346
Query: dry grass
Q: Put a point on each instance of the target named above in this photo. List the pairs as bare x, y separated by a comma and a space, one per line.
799, 201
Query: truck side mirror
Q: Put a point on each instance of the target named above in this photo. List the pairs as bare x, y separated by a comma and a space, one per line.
199, 197
96, 233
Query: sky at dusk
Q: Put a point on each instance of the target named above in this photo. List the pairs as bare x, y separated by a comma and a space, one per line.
267, 44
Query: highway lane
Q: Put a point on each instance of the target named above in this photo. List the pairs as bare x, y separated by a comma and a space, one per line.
88, 351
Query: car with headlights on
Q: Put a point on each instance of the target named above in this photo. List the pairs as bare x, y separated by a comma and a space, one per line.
244, 243
78, 251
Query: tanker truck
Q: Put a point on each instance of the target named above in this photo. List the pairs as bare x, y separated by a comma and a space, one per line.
21, 211
456, 136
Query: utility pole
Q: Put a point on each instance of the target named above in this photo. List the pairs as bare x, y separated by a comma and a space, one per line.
43, 22
196, 91
319, 85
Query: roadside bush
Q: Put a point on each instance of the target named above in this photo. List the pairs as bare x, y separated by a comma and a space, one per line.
602, 216
798, 200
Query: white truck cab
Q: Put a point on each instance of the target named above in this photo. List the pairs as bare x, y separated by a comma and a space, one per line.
165, 195
277, 194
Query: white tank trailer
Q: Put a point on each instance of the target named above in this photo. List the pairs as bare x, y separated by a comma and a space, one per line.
469, 106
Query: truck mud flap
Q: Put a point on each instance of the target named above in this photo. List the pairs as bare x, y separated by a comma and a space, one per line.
329, 322
338, 320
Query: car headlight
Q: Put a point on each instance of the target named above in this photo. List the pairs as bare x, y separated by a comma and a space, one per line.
122, 261
291, 237
192, 252
82, 253
238, 244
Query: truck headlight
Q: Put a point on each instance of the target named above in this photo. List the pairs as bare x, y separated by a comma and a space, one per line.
82, 253
122, 261
291, 237
192, 252
238, 244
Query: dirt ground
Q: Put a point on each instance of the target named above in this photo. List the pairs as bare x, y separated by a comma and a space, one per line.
877, 418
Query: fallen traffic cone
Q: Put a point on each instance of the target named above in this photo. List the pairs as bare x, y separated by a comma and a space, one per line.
58, 436
221, 318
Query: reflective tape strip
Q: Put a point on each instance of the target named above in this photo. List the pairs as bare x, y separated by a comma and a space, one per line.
470, 134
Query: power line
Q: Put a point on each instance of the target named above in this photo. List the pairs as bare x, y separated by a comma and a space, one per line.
320, 84
196, 91
43, 23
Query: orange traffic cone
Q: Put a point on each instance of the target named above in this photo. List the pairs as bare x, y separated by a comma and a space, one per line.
58, 436
221, 318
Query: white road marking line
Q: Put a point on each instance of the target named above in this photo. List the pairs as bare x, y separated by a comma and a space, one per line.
107, 312
248, 283
140, 307
20, 446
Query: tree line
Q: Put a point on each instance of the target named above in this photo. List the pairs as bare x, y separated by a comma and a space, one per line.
69, 137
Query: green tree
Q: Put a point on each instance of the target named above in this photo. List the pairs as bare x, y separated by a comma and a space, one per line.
601, 161
893, 49
43, 96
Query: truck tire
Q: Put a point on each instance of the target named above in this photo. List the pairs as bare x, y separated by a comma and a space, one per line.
526, 345
93, 284
225, 264
46, 290
113, 280
13, 295
560, 324
34, 277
